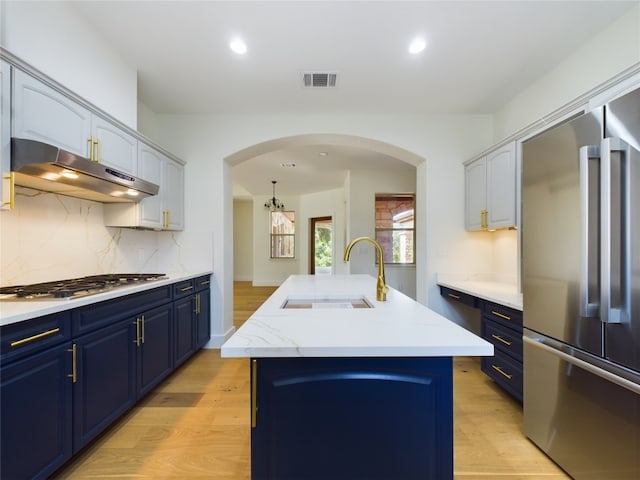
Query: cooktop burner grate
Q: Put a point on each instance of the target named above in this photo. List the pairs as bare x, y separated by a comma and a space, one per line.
79, 286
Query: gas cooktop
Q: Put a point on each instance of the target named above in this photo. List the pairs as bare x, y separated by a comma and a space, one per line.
77, 287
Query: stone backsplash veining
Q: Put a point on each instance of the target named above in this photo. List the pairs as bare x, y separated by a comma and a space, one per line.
50, 237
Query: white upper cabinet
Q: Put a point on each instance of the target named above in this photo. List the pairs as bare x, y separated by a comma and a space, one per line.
5, 137
113, 146
44, 114
490, 188
164, 211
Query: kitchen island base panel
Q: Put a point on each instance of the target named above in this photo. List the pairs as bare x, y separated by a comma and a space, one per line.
352, 418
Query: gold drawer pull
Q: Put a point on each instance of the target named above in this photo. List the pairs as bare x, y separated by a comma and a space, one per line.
186, 289
17, 343
502, 372
501, 315
500, 339
205, 282
457, 297
74, 370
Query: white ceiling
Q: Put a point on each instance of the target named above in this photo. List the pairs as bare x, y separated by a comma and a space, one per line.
479, 55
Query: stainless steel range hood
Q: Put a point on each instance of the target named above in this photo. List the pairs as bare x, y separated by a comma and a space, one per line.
45, 167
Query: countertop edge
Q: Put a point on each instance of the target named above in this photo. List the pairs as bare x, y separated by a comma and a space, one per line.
20, 311
486, 290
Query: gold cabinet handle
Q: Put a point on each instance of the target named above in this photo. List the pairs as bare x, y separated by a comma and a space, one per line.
205, 282
500, 339
457, 297
74, 371
483, 219
197, 304
502, 372
186, 289
11, 179
142, 329
254, 393
32, 338
90, 149
137, 340
501, 315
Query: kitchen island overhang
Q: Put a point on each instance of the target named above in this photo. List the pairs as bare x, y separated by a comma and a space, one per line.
348, 393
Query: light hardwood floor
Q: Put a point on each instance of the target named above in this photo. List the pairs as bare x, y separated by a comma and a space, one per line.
196, 424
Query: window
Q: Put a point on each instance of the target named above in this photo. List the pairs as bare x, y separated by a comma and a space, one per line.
283, 234
395, 227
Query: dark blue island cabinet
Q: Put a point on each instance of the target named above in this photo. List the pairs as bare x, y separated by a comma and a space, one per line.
352, 418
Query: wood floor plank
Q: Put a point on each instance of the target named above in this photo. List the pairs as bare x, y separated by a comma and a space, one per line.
196, 425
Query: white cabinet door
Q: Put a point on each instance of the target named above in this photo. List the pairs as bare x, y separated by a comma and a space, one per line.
174, 195
501, 187
151, 165
476, 193
44, 114
5, 136
115, 147
164, 211
490, 189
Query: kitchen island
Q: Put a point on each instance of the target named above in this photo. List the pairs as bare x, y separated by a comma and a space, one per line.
346, 387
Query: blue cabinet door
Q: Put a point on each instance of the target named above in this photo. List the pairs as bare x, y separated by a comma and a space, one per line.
105, 386
352, 418
184, 329
203, 318
35, 404
155, 349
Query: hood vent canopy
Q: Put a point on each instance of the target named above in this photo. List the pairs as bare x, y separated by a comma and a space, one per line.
320, 80
44, 167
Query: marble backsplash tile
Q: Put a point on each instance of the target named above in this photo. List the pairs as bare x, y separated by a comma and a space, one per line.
49, 237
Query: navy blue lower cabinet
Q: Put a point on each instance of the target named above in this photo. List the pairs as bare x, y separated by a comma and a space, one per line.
105, 386
184, 311
352, 418
154, 330
36, 409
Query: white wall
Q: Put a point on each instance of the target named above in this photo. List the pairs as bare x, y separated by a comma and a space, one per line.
243, 240
53, 38
612, 51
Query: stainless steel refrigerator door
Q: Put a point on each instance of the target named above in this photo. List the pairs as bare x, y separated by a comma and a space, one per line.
586, 418
552, 233
621, 204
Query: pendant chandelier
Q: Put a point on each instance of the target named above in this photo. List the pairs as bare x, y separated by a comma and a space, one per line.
273, 203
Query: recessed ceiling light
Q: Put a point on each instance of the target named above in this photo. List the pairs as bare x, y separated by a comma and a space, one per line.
323, 154
288, 165
417, 45
238, 46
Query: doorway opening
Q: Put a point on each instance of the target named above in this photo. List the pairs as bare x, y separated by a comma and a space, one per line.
321, 248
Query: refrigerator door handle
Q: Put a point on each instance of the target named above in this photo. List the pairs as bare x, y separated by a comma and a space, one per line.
613, 228
589, 235
537, 342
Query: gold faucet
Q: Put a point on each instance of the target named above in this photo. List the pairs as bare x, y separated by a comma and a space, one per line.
381, 286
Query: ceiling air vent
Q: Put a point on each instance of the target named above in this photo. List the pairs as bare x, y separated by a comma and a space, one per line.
320, 80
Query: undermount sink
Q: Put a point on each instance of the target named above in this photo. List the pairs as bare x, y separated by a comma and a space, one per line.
343, 301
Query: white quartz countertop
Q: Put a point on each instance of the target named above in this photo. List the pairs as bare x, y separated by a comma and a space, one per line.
399, 327
493, 291
13, 311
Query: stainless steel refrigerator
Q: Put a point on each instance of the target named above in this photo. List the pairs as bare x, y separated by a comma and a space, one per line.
581, 291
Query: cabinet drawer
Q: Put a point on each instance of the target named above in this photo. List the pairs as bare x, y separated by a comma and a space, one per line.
505, 371
459, 296
504, 315
504, 339
182, 289
23, 338
202, 283
91, 317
